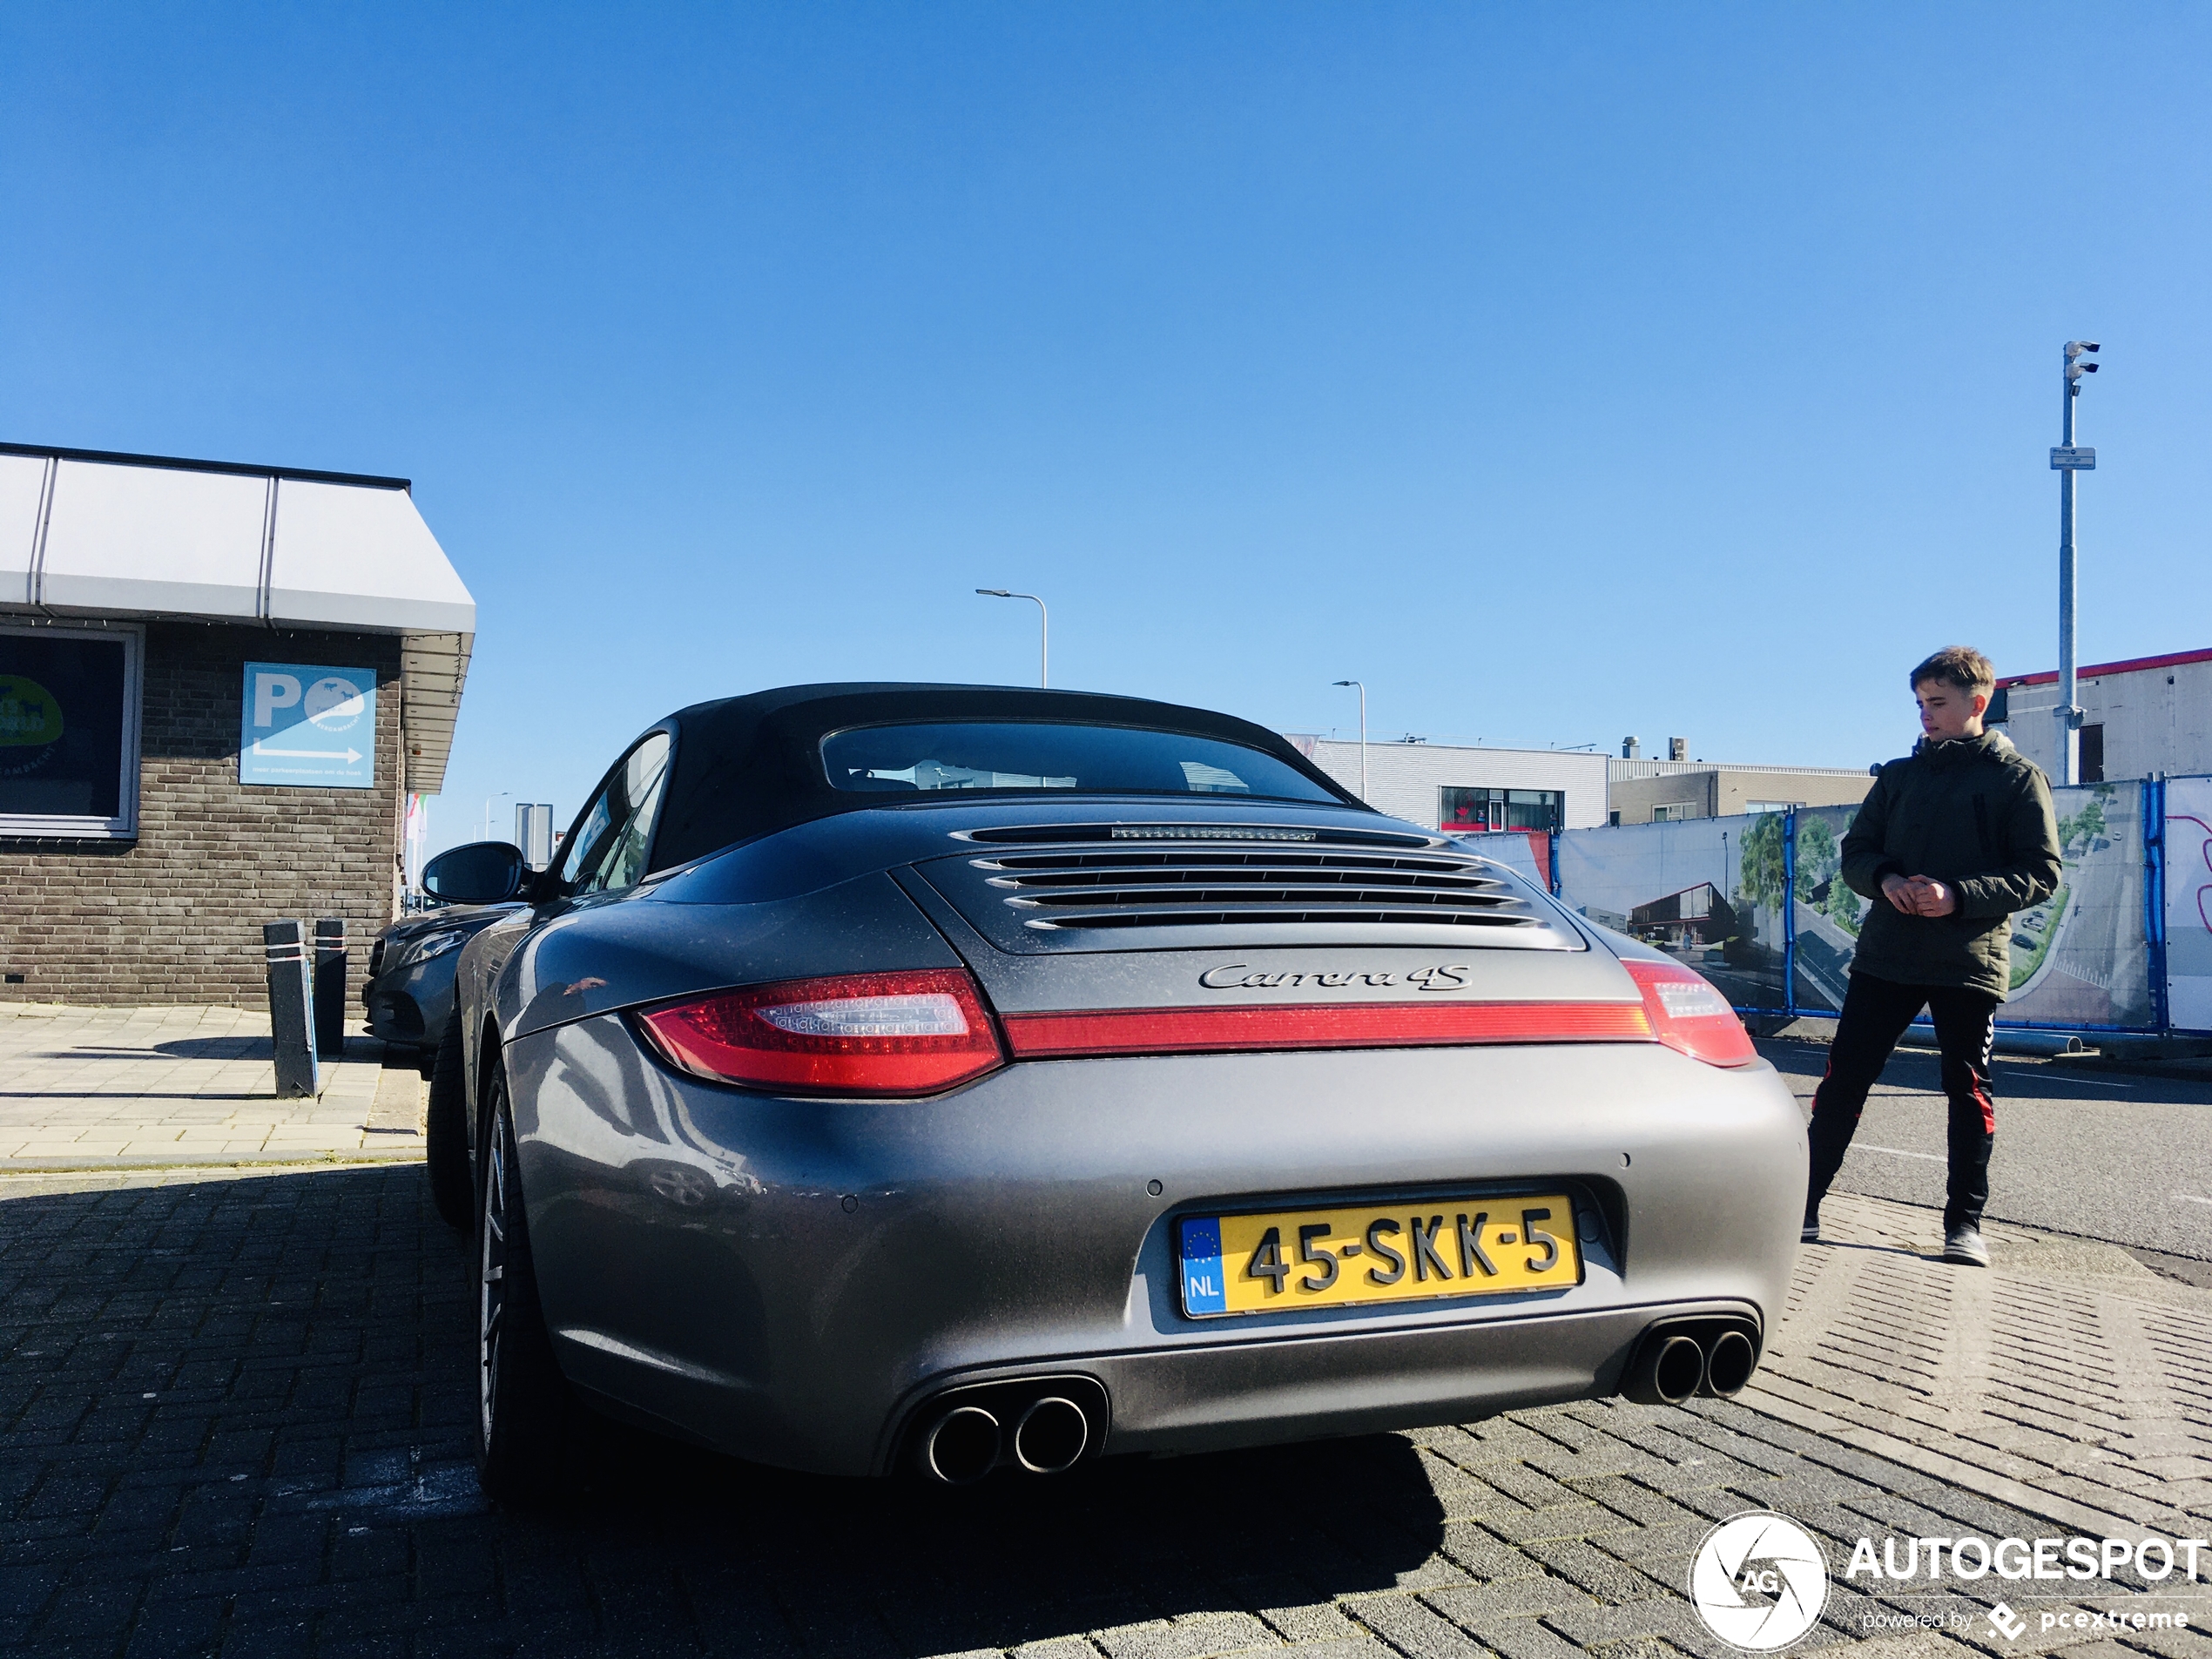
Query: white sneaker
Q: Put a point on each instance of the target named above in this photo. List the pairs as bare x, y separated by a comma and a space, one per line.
1964, 1245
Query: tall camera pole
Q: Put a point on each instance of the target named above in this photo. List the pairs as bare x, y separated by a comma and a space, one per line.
2066, 459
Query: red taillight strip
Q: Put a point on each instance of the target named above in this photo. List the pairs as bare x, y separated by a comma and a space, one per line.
784, 1037
1308, 1025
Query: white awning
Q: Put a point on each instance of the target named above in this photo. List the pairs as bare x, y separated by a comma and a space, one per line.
83, 534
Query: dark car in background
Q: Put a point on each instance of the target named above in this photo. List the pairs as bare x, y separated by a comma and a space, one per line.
410, 993
957, 1078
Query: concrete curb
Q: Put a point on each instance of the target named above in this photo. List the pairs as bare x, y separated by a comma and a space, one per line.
214, 1161
2187, 1071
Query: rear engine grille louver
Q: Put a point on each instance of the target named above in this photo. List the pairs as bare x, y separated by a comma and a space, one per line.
1210, 884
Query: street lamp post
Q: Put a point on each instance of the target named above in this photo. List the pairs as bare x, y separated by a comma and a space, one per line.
1363, 733
502, 795
2066, 459
1044, 630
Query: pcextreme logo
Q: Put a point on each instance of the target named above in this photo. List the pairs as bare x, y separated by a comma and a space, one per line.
1758, 1580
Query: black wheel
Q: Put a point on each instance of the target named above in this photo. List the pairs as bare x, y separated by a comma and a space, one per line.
445, 1134
526, 1423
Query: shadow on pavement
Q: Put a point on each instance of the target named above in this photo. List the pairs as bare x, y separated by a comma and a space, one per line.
1874, 1250
235, 1417
236, 1048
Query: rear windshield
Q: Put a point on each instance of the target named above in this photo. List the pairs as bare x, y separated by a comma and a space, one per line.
1021, 754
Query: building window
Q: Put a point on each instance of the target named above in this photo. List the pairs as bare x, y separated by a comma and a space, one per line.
2093, 754
1674, 812
1477, 809
1772, 805
69, 732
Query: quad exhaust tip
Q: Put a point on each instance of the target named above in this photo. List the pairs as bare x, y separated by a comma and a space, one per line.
1672, 1363
1728, 1365
1051, 1435
1677, 1368
1042, 1426
962, 1445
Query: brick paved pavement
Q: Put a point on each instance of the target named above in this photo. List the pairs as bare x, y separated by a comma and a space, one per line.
234, 1418
106, 1088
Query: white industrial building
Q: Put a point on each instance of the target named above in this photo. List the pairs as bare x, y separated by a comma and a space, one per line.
1462, 788
2144, 716
1448, 787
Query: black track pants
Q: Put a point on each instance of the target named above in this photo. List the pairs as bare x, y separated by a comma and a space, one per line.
1876, 1012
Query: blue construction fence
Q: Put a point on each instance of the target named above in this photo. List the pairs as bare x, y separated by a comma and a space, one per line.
1756, 904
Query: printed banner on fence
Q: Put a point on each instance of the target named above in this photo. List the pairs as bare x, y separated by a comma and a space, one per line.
2188, 903
1525, 852
1826, 911
2081, 958
1712, 892
1707, 891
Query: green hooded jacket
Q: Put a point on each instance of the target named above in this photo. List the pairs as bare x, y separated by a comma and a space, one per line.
1974, 813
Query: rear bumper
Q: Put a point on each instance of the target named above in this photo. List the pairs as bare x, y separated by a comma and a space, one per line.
792, 1280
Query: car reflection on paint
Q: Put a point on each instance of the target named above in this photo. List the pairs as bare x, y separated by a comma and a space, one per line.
410, 992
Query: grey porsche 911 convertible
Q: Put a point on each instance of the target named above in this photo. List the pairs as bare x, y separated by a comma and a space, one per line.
954, 1079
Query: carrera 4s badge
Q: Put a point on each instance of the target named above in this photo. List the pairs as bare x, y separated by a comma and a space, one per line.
1241, 976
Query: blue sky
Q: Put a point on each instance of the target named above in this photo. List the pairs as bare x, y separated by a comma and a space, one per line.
1563, 373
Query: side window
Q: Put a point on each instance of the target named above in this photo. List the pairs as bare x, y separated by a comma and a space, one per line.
589, 843
633, 806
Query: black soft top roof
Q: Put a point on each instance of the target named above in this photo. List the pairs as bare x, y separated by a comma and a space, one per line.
748, 765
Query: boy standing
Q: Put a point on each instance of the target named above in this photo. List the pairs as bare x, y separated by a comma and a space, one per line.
1949, 842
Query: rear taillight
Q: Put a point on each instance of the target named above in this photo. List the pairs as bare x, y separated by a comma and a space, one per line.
1689, 1015
856, 1034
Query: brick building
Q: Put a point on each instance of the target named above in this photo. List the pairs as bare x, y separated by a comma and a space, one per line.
218, 686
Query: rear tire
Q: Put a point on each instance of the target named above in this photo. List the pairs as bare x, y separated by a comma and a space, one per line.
527, 1421
445, 1134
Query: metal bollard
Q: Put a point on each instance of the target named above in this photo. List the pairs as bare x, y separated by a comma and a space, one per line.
291, 1006
330, 987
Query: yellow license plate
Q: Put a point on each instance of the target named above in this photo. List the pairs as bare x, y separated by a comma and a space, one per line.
1303, 1259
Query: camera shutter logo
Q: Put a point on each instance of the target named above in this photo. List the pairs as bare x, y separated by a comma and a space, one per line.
1759, 1582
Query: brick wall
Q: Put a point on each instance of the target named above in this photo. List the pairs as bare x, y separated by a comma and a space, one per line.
175, 916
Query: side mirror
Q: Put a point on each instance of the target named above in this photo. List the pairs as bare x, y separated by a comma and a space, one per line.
481, 873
